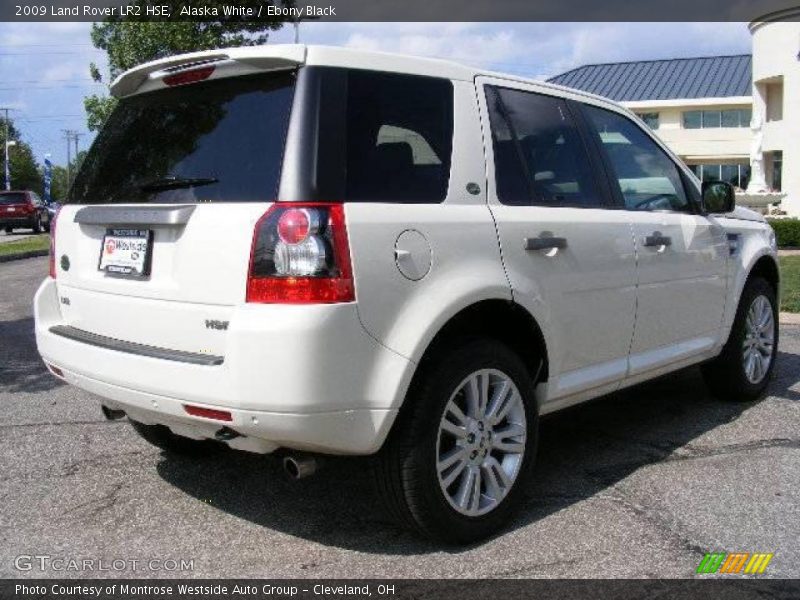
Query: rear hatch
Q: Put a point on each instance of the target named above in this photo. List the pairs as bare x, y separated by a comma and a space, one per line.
153, 245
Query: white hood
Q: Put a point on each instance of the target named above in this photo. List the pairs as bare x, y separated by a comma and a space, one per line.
745, 214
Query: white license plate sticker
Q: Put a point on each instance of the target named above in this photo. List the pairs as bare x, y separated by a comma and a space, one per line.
126, 252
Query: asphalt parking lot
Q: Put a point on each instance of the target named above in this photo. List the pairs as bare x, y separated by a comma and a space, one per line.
640, 484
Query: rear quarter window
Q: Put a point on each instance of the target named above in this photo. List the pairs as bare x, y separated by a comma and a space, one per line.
369, 136
399, 137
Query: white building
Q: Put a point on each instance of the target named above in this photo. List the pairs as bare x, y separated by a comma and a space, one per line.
735, 118
776, 96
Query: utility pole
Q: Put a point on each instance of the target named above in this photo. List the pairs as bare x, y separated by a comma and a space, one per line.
7, 131
68, 133
75, 136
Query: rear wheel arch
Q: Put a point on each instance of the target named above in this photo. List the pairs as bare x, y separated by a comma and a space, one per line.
498, 319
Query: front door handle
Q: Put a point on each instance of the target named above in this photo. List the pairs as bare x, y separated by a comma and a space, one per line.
656, 239
545, 243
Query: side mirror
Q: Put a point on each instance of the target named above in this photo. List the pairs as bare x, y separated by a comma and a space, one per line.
718, 197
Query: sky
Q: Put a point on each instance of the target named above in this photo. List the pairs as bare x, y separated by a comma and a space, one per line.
44, 67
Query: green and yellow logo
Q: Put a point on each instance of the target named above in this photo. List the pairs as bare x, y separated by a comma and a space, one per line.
737, 562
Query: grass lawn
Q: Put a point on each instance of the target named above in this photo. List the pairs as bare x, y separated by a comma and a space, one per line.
790, 282
39, 242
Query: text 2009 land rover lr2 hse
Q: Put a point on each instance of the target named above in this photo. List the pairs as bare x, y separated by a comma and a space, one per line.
314, 250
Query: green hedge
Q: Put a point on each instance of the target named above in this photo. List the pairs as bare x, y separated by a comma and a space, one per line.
787, 231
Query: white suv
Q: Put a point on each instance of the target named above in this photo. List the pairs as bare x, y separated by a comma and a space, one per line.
306, 250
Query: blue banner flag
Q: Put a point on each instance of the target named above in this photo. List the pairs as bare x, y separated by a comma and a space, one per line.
48, 174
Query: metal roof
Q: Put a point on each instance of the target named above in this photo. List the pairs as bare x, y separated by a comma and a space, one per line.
672, 79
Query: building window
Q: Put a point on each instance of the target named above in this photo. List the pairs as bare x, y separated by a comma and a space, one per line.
650, 119
693, 119
713, 119
777, 169
737, 174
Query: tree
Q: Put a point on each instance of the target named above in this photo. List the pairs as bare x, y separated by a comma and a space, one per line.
130, 43
22, 165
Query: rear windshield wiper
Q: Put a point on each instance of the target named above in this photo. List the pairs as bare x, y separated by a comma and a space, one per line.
171, 183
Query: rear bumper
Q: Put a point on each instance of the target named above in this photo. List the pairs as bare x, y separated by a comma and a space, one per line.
16, 221
299, 377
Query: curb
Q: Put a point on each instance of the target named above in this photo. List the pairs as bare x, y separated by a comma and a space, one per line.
21, 255
788, 318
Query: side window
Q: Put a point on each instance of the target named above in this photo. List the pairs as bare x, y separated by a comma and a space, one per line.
539, 156
647, 177
399, 134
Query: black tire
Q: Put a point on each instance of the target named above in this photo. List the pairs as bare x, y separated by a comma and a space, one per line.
9, 230
37, 224
161, 437
47, 225
405, 471
725, 376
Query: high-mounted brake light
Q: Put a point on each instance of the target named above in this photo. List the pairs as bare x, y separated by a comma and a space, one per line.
189, 76
301, 255
53, 243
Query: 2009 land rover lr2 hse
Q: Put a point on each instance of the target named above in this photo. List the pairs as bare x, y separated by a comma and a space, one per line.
311, 250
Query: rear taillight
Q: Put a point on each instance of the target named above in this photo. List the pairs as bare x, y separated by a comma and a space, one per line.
301, 255
29, 208
189, 76
53, 243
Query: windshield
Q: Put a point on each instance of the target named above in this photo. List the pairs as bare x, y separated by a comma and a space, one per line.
216, 141
13, 198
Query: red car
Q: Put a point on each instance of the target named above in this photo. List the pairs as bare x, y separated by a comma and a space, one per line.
23, 209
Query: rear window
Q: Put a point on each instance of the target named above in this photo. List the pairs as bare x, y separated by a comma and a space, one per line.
13, 198
216, 141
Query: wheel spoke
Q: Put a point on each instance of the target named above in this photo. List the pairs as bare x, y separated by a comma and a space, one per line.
473, 394
497, 480
504, 439
502, 400
451, 458
465, 489
457, 431
455, 472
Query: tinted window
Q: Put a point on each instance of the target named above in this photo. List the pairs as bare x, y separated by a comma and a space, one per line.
399, 137
647, 177
539, 156
13, 198
228, 134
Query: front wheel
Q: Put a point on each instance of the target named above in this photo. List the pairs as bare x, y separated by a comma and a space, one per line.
742, 370
457, 462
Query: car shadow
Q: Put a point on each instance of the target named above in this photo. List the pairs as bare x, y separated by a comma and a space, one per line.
21, 367
582, 451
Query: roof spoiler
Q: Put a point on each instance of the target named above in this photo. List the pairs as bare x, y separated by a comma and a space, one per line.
267, 58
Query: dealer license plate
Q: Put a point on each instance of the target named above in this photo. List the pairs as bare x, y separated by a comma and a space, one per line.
126, 252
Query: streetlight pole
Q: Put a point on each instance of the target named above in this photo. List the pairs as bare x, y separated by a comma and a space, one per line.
7, 130
8, 170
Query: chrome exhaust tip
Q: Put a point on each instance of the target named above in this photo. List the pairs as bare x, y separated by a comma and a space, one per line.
298, 466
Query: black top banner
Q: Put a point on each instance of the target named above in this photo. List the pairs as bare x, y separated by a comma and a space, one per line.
401, 10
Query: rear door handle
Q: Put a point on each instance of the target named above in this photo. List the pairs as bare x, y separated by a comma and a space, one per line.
656, 239
545, 243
